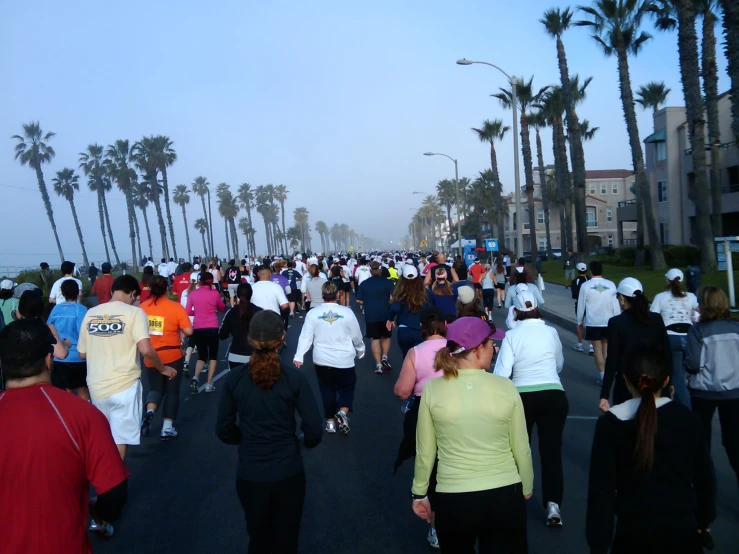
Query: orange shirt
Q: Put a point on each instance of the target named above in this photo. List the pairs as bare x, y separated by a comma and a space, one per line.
477, 271
166, 318
102, 287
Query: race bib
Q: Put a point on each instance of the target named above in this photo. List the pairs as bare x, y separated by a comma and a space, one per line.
156, 325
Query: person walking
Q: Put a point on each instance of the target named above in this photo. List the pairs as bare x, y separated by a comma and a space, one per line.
443, 294
500, 280
190, 343
650, 466
569, 266
711, 354
311, 285
294, 279
531, 356
168, 327
474, 423
233, 278
269, 295
575, 285
374, 296
55, 294
8, 303
257, 413
676, 308
634, 325
204, 303
102, 286
488, 290
92, 273
235, 325
333, 332
409, 297
519, 277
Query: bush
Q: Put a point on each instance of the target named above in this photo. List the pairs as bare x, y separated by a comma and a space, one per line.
681, 255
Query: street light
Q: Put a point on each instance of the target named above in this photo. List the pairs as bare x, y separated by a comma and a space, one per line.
516, 153
456, 188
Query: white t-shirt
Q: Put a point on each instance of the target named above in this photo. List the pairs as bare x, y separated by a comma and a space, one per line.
531, 355
163, 270
597, 302
674, 310
362, 274
149, 264
334, 333
268, 296
300, 266
56, 289
172, 266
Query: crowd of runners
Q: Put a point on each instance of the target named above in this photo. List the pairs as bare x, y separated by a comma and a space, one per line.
471, 393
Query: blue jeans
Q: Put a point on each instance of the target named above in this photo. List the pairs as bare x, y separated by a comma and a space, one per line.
677, 344
408, 338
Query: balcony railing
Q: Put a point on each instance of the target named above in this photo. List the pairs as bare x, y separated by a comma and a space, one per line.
628, 242
626, 202
730, 188
592, 223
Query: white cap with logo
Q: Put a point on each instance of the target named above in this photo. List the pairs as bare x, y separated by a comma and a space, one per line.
581, 267
7, 284
675, 273
629, 286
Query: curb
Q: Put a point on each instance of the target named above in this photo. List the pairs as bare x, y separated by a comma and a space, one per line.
561, 321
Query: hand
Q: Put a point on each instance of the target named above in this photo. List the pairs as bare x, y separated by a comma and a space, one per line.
389, 325
67, 342
527, 496
604, 405
361, 354
296, 363
169, 372
422, 508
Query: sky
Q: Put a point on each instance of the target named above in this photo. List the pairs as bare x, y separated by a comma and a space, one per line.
336, 100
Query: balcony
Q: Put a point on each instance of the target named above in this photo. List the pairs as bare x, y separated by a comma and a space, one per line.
626, 210
592, 224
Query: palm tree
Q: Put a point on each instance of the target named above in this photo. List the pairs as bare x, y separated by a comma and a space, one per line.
262, 199
490, 132
246, 229
586, 131
246, 198
166, 156
141, 201
200, 186
683, 13
146, 153
181, 197
281, 193
95, 167
201, 225
33, 151
731, 48
65, 184
652, 95
301, 220
615, 28
322, 230
527, 98
538, 121
120, 157
134, 186
225, 200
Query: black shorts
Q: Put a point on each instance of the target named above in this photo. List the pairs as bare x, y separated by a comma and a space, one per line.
71, 375
377, 331
206, 341
595, 333
294, 296
477, 286
500, 286
346, 287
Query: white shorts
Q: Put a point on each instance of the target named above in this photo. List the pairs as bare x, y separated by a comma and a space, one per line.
123, 411
232, 289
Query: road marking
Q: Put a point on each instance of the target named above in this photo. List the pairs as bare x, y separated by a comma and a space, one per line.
201, 388
582, 417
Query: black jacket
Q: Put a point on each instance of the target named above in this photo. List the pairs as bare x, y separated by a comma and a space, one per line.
269, 449
231, 327
678, 494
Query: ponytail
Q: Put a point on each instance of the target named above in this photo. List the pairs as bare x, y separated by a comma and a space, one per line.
445, 362
265, 363
640, 307
675, 288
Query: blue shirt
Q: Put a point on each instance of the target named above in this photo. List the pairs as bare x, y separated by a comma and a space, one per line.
446, 303
67, 318
375, 293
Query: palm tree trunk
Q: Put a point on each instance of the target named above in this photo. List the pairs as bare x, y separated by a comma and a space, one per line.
148, 234
543, 188
228, 242
498, 195
637, 156
284, 229
205, 248
235, 238
266, 236
210, 225
563, 185
49, 212
710, 88
169, 213
207, 221
110, 230
162, 228
79, 232
132, 230
187, 233
529, 173
731, 48
138, 238
687, 43
102, 223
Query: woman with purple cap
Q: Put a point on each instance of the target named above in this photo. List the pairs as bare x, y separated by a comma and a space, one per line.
474, 423
531, 356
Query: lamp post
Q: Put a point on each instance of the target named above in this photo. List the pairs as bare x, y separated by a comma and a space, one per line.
516, 153
456, 189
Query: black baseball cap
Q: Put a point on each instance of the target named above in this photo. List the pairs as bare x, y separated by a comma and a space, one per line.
266, 326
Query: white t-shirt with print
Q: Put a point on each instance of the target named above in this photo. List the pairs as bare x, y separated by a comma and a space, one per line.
56, 289
674, 310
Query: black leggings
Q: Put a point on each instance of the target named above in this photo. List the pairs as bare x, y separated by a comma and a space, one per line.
163, 387
206, 341
548, 409
728, 415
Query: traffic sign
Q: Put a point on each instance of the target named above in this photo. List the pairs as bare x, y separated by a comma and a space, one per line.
424, 243
491, 245
351, 249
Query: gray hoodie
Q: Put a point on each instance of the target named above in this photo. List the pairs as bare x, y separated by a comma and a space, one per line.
711, 356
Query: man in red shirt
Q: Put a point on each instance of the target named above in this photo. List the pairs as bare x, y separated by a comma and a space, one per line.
476, 271
182, 281
51, 444
102, 284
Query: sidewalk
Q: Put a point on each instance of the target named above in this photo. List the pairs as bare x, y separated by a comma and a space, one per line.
559, 307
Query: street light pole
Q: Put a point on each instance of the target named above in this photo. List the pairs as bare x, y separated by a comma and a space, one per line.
456, 189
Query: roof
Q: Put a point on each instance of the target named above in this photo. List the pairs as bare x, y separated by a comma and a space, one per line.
591, 197
608, 173
659, 136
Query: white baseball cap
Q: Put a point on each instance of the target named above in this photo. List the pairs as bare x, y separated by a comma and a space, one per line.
196, 267
629, 286
525, 300
581, 267
193, 277
675, 273
466, 294
7, 284
299, 257
410, 272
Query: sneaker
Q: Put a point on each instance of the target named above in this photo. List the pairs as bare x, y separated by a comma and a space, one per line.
433, 539
104, 530
194, 386
186, 369
331, 427
378, 369
554, 519
343, 421
591, 351
599, 381
577, 347
168, 434
146, 424
210, 388
386, 365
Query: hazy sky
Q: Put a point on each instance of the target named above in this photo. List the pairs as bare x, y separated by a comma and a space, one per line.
336, 100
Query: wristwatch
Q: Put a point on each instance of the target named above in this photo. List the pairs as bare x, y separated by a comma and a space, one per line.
418, 496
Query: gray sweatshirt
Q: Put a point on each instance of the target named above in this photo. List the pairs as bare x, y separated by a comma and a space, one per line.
711, 355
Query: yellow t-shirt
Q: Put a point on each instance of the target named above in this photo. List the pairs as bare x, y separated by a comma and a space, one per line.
109, 336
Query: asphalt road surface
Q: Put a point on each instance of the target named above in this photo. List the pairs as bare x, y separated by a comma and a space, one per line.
182, 496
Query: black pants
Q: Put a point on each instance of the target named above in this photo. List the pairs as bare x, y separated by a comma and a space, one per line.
273, 512
548, 409
674, 541
163, 387
494, 518
408, 338
337, 388
728, 414
206, 341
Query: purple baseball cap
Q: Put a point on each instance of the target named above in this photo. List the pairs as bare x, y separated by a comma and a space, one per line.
469, 333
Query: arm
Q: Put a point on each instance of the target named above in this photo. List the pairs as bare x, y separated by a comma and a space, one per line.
455, 277
407, 378
220, 306
149, 353
504, 363
581, 304
510, 321
693, 348
537, 294
519, 441
602, 485
304, 285
226, 428
190, 307
509, 296
656, 307
613, 360
305, 341
357, 338
311, 421
109, 505
225, 330
425, 445
61, 348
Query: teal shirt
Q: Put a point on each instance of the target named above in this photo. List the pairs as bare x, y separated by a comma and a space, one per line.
7, 307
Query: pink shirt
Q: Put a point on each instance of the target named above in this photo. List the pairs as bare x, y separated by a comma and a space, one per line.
425, 354
205, 303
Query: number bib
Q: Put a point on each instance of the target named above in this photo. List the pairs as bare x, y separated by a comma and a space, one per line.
156, 325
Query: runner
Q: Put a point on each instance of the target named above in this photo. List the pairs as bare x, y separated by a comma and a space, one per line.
110, 337
268, 295
362, 272
460, 267
409, 298
596, 304
476, 271
163, 269
168, 326
8, 304
92, 273
519, 277
311, 285
393, 273
182, 280
294, 278
257, 413
190, 344
531, 356
31, 306
149, 263
333, 332
442, 294
468, 305
55, 445
578, 282
501, 277
204, 303
507, 264
233, 279
569, 267
299, 265
235, 325
374, 295
172, 267
488, 290
145, 284
55, 294
101, 287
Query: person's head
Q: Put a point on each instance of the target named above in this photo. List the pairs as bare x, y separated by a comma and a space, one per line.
329, 291
521, 262
441, 284
582, 269
646, 369
164, 260
70, 290
569, 252
675, 279
44, 266
6, 289
30, 305
265, 274
67, 268
313, 271
148, 259
193, 282
205, 279
713, 302
266, 334
336, 271
125, 289
596, 268
441, 258
410, 289
499, 267
187, 267
106, 268
524, 304
433, 322
246, 310
391, 263
231, 263
25, 349
518, 275
469, 346
147, 276
159, 286
376, 269
291, 264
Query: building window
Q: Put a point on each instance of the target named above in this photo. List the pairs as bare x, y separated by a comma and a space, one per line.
663, 233
609, 214
592, 188
591, 217
543, 243
661, 151
540, 217
604, 188
614, 188
662, 191
610, 240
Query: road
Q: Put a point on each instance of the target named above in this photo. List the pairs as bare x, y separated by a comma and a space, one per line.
182, 497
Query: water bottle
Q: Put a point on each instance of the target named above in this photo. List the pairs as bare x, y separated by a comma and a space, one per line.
407, 405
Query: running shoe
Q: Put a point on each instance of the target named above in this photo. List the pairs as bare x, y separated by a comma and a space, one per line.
343, 422
331, 427
386, 365
378, 369
194, 386
554, 519
433, 539
591, 351
168, 434
105, 530
186, 369
577, 347
210, 388
146, 424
